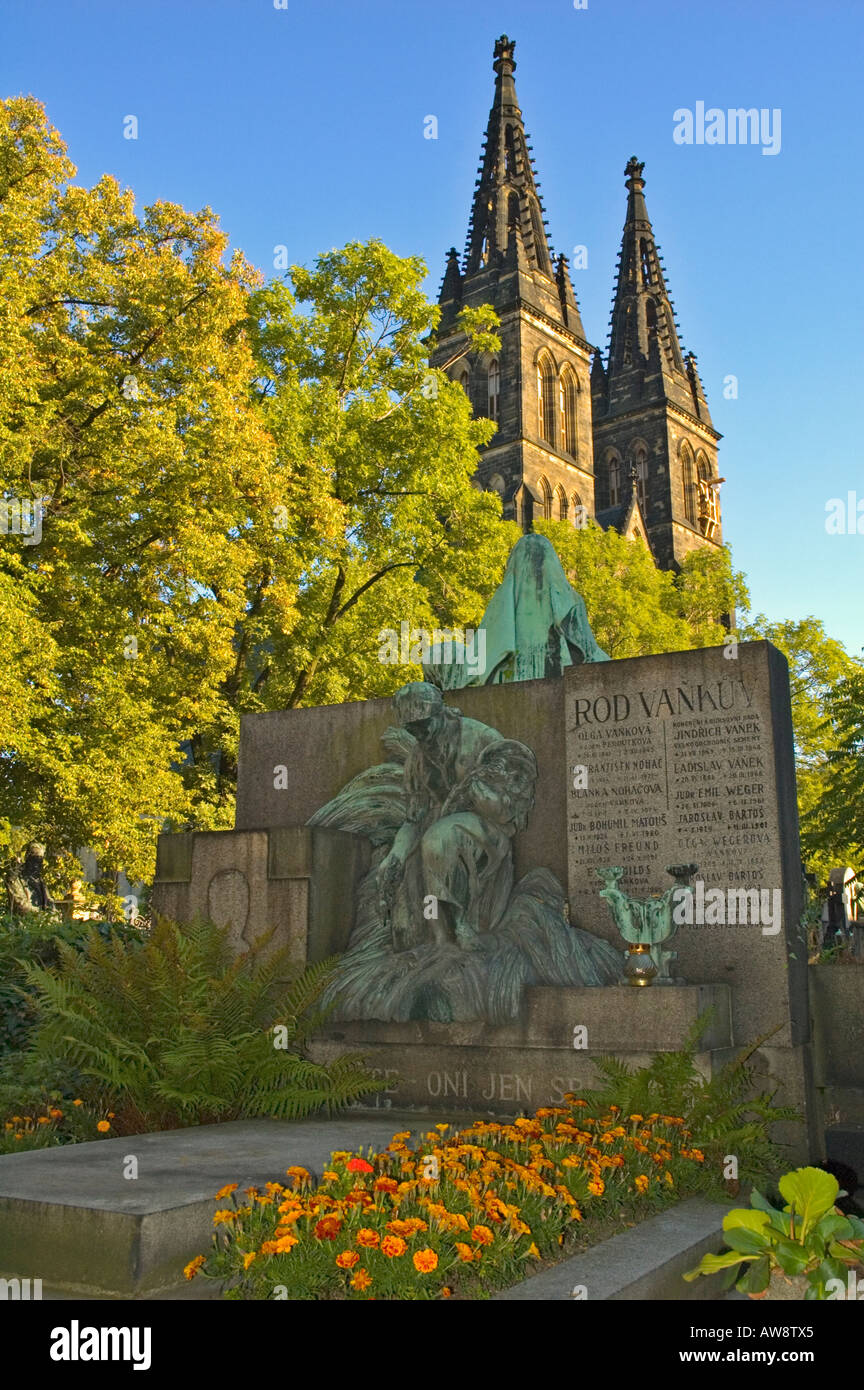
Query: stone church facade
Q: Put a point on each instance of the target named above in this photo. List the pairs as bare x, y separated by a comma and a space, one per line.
627, 441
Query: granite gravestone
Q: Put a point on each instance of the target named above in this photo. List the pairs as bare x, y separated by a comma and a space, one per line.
685, 757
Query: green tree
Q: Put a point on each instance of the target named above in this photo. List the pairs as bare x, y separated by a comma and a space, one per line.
634, 608
243, 484
385, 522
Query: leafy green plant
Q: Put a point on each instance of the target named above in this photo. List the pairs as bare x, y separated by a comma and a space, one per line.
176, 1029
809, 1239
35, 939
725, 1112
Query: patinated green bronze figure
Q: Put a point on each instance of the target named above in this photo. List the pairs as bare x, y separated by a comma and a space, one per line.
440, 929
535, 624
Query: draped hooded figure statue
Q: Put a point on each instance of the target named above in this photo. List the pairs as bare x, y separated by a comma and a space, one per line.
534, 626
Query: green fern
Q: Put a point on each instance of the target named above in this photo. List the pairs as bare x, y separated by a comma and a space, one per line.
725, 1114
175, 1030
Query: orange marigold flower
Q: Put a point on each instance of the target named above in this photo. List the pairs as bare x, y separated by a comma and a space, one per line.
103, 1126
249, 1257
368, 1237
359, 1165
193, 1266
446, 1292
597, 1186
386, 1185
361, 1280
43, 1120
391, 1246
77, 1102
482, 1235
225, 1191
465, 1253
698, 1155
222, 1218
328, 1227
425, 1261
56, 1114
642, 1183
348, 1259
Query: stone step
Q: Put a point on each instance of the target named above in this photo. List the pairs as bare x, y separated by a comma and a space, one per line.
69, 1217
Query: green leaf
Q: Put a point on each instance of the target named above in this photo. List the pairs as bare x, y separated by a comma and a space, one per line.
810, 1192
756, 1278
710, 1264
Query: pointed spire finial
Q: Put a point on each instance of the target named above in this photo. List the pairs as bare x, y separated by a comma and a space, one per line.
503, 55
634, 172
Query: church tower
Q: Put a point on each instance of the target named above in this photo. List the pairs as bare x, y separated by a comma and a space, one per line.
651, 420
538, 387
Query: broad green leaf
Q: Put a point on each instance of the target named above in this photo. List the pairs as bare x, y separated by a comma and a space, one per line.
756, 1278
811, 1192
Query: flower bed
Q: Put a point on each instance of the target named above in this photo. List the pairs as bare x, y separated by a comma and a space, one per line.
468, 1212
60, 1122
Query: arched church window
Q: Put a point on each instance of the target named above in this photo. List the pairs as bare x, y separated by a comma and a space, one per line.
546, 397
561, 503
688, 479
646, 264
569, 389
640, 460
545, 499
494, 382
614, 480
708, 510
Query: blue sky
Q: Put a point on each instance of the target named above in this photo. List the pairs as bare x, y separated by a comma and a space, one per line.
304, 126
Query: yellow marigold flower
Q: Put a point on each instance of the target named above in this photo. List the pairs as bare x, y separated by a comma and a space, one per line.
533, 1252
361, 1280
669, 1178
225, 1191
698, 1155
103, 1126
482, 1235
637, 1117
597, 1186
392, 1246
330, 1177
348, 1259
425, 1261
642, 1183
77, 1102
222, 1218
249, 1256
368, 1237
193, 1266
442, 1128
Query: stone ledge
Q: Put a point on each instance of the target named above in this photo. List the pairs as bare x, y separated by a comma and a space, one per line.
646, 1262
70, 1218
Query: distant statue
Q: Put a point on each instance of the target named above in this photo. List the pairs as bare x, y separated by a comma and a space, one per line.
440, 930
25, 885
535, 625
